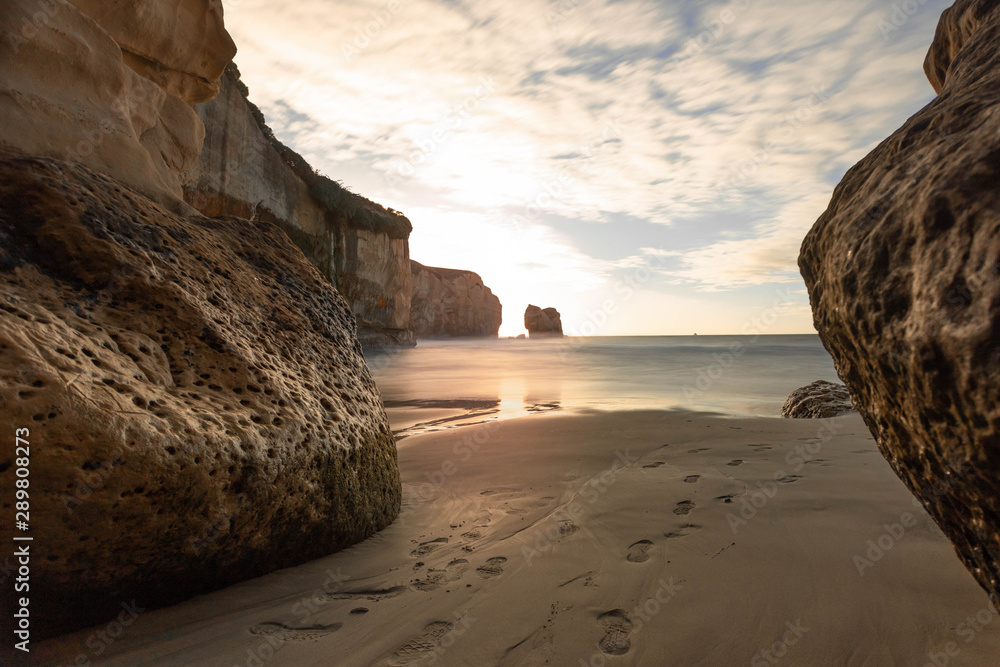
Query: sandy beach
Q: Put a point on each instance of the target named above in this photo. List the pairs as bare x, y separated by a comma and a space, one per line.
629, 538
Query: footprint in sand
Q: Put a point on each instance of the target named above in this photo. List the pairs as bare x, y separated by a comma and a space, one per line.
423, 645
736, 462
492, 568
618, 627
684, 507
691, 479
653, 465
761, 448
482, 519
472, 535
684, 531
639, 552
498, 491
698, 451
374, 596
453, 571
427, 547
789, 479
728, 498
289, 634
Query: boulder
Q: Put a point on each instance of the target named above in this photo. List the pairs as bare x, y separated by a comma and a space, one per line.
199, 411
449, 303
542, 323
903, 271
819, 400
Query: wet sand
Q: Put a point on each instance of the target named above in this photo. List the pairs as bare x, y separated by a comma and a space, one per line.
621, 538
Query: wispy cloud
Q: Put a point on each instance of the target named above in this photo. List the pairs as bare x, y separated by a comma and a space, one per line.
730, 122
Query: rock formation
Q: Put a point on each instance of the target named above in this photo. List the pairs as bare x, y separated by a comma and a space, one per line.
452, 303
69, 91
819, 400
182, 45
198, 406
542, 323
199, 409
360, 246
903, 271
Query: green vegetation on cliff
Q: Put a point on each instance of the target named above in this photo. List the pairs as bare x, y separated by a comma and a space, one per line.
358, 211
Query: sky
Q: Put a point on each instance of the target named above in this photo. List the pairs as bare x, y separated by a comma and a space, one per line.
644, 167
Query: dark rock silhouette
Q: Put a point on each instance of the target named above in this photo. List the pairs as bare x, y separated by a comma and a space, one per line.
903, 271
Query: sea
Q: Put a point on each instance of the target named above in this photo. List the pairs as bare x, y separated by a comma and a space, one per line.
733, 375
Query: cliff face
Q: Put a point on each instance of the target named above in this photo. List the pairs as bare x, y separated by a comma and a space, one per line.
84, 100
903, 271
361, 247
452, 303
192, 390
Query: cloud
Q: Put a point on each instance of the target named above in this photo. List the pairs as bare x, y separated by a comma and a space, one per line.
726, 122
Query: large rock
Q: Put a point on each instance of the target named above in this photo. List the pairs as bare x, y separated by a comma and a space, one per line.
66, 92
199, 409
903, 271
542, 323
452, 303
819, 400
182, 45
361, 247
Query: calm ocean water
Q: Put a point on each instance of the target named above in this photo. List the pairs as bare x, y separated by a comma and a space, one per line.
738, 375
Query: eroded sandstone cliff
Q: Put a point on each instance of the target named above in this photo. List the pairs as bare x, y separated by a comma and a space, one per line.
450, 303
360, 246
903, 271
67, 92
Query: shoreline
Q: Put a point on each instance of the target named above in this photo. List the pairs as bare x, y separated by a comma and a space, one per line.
638, 538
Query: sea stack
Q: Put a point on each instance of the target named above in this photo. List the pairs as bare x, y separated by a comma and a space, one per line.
192, 389
542, 323
903, 271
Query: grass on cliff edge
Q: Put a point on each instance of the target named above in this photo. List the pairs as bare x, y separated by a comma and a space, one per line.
359, 211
